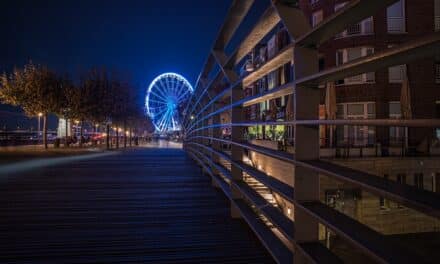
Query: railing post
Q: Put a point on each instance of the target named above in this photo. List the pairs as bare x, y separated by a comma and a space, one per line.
306, 148
236, 151
215, 145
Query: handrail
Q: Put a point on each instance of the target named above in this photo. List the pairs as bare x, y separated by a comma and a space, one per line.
202, 133
422, 47
426, 123
421, 200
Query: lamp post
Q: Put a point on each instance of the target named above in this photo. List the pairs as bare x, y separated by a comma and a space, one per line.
38, 133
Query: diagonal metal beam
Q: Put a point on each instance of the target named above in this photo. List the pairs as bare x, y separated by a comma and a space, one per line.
424, 47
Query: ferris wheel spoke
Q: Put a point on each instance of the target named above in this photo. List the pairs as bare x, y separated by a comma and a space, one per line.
161, 121
166, 121
161, 91
171, 87
177, 88
165, 88
158, 102
161, 111
157, 95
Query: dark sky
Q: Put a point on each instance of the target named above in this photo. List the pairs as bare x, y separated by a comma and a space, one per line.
140, 38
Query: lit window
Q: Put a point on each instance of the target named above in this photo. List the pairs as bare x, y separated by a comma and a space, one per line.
396, 17
317, 17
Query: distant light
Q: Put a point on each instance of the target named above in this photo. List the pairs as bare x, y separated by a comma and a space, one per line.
192, 117
259, 167
289, 211
40, 114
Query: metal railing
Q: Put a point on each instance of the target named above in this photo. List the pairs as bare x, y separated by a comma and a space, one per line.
296, 238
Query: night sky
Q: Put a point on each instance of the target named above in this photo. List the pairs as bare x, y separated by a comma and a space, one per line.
140, 38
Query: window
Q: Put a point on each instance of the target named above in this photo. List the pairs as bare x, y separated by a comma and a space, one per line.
356, 135
347, 55
362, 28
397, 134
396, 17
437, 72
418, 180
437, 15
317, 17
396, 74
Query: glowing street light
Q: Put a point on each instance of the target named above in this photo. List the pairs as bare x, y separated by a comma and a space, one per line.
39, 132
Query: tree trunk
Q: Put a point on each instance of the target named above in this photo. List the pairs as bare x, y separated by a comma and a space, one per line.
117, 138
81, 134
66, 143
107, 139
125, 134
45, 131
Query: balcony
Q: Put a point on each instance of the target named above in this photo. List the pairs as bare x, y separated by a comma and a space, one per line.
363, 28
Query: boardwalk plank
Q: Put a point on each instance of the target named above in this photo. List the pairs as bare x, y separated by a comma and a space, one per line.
149, 205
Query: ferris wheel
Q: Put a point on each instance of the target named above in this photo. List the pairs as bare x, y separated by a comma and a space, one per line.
164, 99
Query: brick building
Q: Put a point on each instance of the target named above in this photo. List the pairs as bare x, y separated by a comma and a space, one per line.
369, 95
375, 95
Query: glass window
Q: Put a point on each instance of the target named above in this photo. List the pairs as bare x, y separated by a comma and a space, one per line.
317, 17
371, 109
396, 17
396, 74
354, 53
395, 10
355, 109
394, 109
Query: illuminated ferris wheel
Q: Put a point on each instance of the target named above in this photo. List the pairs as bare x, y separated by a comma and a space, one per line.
164, 99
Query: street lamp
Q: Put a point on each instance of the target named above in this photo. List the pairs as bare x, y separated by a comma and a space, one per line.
38, 133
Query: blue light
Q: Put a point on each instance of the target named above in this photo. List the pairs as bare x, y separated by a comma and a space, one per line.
164, 96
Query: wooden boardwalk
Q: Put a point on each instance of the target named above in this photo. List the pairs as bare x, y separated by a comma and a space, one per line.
147, 205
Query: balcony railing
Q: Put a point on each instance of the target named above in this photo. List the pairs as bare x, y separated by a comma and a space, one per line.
294, 235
